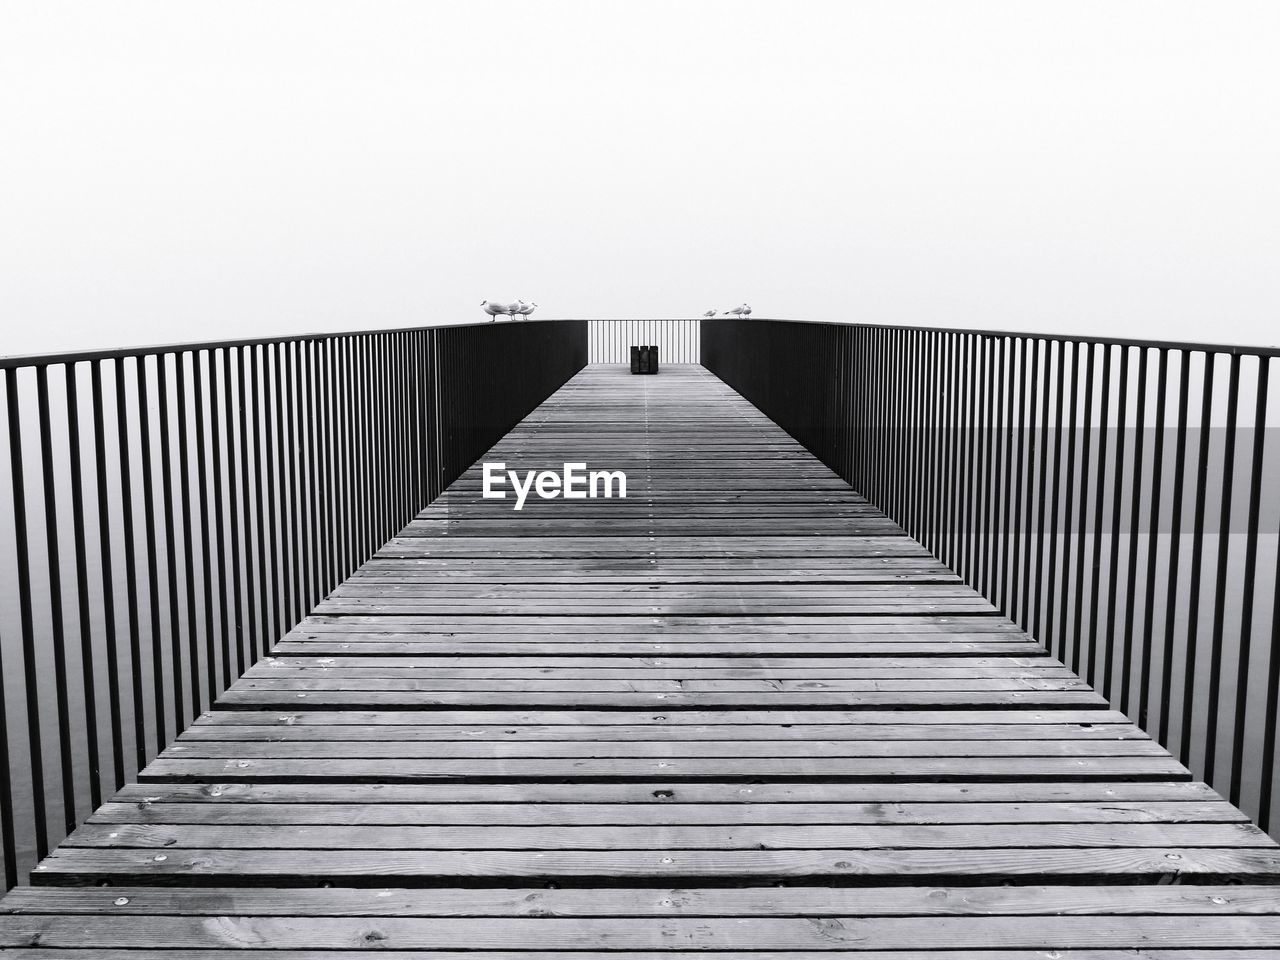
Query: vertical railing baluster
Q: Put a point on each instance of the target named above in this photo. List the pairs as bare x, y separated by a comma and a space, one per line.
353, 481
282, 571
319, 465
901, 428
176, 672
1153, 539
341, 454
1018, 456
235, 455
56, 624
368, 533
1244, 650
153, 572
1007, 425
310, 468
1043, 620
217, 408
990, 453
400, 445
26, 626
1197, 561
917, 370
84, 609
107, 573
1081, 432
1099, 487
971, 376
1220, 580
8, 833
130, 564
244, 530
381, 420
290, 575
255, 360
950, 497
1034, 442
188, 532
203, 468
1073, 433
1271, 708
1135, 505
1175, 545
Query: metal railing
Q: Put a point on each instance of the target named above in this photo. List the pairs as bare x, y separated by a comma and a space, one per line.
1118, 499
610, 341
167, 513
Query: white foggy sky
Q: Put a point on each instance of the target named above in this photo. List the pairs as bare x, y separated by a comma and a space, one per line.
177, 170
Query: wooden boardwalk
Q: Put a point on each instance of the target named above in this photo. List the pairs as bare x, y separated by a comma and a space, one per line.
739, 711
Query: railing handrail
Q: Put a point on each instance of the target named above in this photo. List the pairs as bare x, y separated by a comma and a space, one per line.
152, 350
1231, 349
149, 350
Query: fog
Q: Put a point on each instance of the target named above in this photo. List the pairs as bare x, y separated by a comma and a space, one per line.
173, 171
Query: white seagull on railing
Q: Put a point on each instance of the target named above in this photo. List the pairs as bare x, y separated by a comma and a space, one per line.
526, 308
494, 309
742, 311
709, 313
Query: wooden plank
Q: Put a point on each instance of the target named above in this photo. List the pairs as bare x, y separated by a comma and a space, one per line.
736, 625
837, 933
404, 837
402, 770
834, 866
662, 749
288, 699
1203, 900
664, 792
1116, 953
408, 645
1081, 719
334, 680
789, 733
597, 666
621, 814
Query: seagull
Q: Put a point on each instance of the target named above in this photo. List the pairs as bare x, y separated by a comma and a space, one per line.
742, 311
709, 313
526, 308
494, 309
513, 309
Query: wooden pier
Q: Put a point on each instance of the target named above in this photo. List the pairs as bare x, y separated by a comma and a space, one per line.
738, 712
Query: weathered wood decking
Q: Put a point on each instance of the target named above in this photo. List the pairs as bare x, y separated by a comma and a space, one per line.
739, 711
